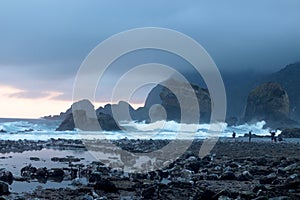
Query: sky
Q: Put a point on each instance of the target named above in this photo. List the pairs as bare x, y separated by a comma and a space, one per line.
43, 43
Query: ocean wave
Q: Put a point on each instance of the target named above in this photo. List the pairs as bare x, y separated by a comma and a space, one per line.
45, 129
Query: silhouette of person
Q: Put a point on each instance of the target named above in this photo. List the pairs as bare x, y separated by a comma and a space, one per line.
233, 135
273, 136
250, 136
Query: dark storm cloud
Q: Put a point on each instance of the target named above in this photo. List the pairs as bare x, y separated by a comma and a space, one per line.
44, 42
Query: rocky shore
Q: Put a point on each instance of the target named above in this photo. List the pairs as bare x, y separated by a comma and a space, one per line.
232, 170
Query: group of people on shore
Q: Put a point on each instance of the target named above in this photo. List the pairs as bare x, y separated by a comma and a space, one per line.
273, 136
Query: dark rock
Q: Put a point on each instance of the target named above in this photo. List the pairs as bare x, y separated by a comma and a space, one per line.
20, 179
67, 124
207, 159
41, 173
84, 115
208, 194
194, 166
212, 177
261, 162
288, 77
34, 158
259, 171
122, 111
28, 171
268, 179
106, 122
105, 185
95, 176
294, 184
162, 95
280, 198
245, 176
269, 102
259, 187
291, 167
6, 176
290, 133
56, 174
65, 159
149, 192
228, 175
292, 177
281, 171
277, 182
232, 121
4, 188
247, 195
59, 117
234, 165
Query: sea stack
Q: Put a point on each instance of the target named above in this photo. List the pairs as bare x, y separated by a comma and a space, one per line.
268, 102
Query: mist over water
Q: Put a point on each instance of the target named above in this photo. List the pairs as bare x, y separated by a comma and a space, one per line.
40, 129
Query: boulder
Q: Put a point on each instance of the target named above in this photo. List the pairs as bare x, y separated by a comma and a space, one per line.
41, 173
28, 171
245, 176
94, 177
268, 102
105, 185
268, 179
148, 193
228, 175
6, 176
67, 159
56, 174
4, 188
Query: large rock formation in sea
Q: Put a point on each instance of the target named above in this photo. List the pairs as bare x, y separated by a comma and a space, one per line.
60, 116
123, 111
288, 77
162, 104
268, 102
83, 114
163, 96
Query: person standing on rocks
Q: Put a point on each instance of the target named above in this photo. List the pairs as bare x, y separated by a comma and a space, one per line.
273, 139
233, 136
250, 136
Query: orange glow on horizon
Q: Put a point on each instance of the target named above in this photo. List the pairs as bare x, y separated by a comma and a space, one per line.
19, 107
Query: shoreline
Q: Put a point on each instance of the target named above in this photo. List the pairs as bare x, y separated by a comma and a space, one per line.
232, 169
7, 146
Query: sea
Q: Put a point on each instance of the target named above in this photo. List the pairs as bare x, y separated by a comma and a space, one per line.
44, 129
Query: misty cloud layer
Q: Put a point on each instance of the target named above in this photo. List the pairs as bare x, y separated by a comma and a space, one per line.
44, 42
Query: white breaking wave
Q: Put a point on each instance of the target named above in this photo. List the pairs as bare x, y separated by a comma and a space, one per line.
45, 129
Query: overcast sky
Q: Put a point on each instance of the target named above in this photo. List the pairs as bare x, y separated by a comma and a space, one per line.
43, 43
